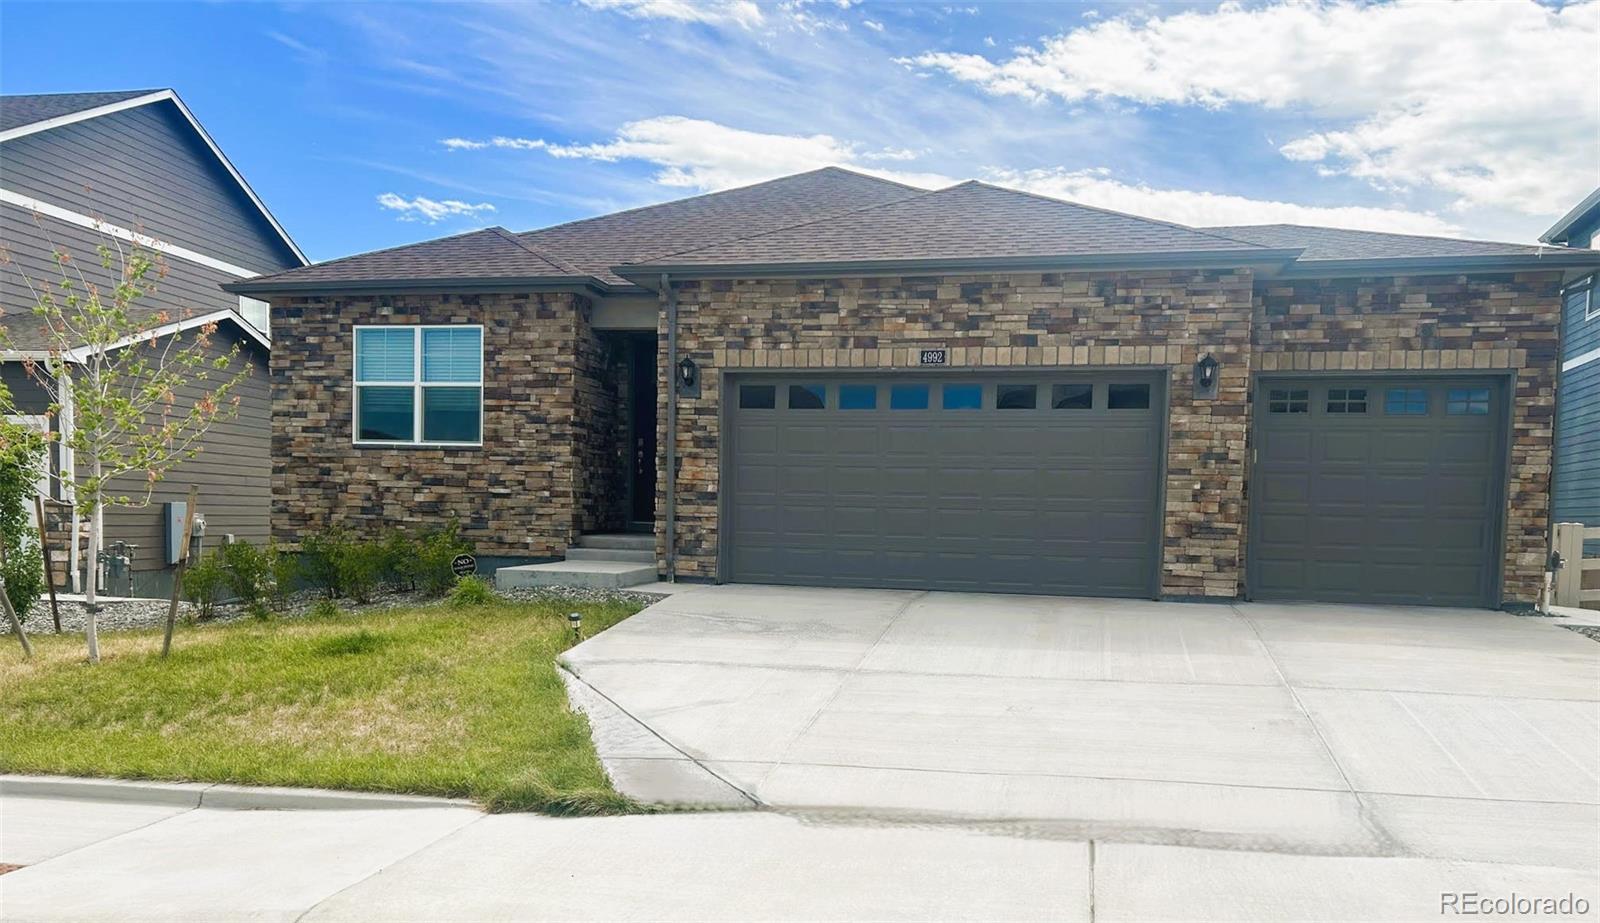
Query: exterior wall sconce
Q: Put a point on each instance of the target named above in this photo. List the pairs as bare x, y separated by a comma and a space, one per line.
1205, 377
688, 378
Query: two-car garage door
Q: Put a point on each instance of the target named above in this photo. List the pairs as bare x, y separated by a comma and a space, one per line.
995, 484
1383, 490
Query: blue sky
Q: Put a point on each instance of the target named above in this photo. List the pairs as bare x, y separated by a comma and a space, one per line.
365, 125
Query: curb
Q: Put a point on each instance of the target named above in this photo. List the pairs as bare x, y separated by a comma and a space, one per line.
217, 795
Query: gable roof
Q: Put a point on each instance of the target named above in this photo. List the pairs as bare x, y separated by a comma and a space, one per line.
1336, 248
28, 109
22, 115
1585, 213
972, 222
476, 256
598, 244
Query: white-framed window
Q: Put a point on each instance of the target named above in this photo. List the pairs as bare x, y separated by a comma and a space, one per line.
1591, 308
39, 424
257, 313
419, 385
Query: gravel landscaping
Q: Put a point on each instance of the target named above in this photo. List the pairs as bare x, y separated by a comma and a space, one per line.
130, 614
1592, 632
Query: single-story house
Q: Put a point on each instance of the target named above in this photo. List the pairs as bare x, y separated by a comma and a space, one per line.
833, 379
1576, 496
78, 170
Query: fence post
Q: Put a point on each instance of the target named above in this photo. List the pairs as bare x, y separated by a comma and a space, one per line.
1569, 579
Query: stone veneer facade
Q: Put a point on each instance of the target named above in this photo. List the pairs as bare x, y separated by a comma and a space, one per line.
528, 491
554, 462
1163, 319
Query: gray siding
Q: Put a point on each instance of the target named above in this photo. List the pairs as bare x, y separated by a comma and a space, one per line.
1576, 495
1578, 335
144, 167
232, 470
187, 289
25, 392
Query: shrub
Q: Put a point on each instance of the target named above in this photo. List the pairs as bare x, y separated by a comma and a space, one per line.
471, 591
21, 454
435, 551
247, 571
402, 563
320, 554
325, 609
285, 574
360, 565
204, 582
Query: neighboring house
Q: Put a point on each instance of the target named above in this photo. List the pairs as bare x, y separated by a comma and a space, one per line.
1576, 495
78, 170
832, 379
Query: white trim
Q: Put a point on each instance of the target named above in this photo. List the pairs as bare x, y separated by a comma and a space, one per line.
77, 355
159, 96
121, 233
1591, 307
1581, 359
417, 385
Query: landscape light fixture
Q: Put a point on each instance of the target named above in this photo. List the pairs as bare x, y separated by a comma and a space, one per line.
575, 619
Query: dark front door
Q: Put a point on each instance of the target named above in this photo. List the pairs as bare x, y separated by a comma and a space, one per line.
642, 428
1378, 490
1003, 483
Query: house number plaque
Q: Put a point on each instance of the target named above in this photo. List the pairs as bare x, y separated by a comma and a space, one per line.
934, 357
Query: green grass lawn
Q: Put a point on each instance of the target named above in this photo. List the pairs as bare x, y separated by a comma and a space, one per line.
428, 700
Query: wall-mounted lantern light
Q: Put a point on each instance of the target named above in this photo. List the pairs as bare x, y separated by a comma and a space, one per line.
688, 378
1205, 376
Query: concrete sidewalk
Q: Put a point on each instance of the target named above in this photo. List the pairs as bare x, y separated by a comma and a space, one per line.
91, 860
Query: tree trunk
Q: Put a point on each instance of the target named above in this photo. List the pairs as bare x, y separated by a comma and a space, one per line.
89, 624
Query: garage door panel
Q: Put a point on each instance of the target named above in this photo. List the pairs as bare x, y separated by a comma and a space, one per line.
981, 499
1385, 506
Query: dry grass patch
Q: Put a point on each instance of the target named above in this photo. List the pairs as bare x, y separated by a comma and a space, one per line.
428, 700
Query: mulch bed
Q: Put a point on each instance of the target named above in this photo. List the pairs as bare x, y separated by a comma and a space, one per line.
4, 868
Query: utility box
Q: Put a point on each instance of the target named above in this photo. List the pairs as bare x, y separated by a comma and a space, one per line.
176, 510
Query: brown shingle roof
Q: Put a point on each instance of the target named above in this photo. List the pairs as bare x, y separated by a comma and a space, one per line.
970, 221
598, 244
489, 253
17, 110
1344, 244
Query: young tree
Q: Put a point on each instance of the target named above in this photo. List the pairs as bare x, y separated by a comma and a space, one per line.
117, 368
21, 460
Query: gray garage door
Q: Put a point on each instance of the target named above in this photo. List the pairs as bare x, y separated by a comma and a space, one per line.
1378, 490
997, 484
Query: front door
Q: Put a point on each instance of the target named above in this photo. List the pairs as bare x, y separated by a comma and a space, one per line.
642, 429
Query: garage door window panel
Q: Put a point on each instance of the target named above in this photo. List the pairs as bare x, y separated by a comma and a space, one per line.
858, 397
808, 397
1128, 397
1471, 401
908, 397
1289, 400
1347, 400
1400, 402
1072, 397
961, 397
1016, 397
758, 397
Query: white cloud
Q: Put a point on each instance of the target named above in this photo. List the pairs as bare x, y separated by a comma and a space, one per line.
421, 208
702, 155
1489, 104
1200, 209
873, 25
705, 156
711, 12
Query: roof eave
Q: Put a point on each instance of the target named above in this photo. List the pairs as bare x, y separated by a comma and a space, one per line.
1554, 259
649, 274
580, 284
1582, 210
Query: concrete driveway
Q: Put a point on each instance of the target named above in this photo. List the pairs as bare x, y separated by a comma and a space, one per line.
1311, 729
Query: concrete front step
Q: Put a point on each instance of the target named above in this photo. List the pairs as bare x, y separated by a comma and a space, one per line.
619, 541
599, 575
576, 553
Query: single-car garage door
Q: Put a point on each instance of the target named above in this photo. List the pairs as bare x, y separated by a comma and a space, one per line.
1383, 490
994, 484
